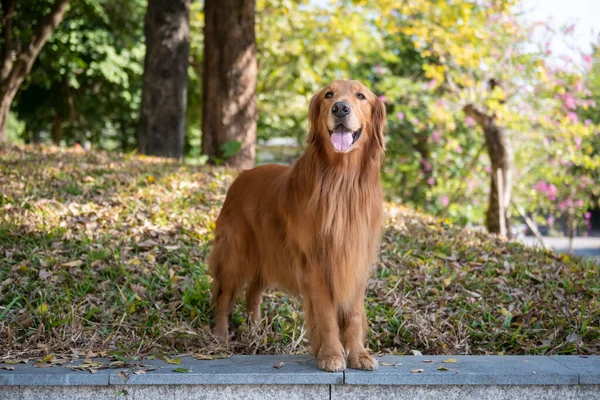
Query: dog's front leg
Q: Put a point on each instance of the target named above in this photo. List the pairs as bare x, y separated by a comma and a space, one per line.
322, 324
353, 335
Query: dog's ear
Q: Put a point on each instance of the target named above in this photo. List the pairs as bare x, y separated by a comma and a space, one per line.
313, 117
379, 122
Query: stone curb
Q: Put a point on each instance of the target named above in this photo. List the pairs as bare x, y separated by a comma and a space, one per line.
302, 370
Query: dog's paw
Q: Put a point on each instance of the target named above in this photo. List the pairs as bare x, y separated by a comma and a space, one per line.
221, 333
362, 361
331, 363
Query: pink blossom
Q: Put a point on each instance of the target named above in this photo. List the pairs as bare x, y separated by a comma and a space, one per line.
578, 142
562, 205
378, 69
579, 203
458, 149
414, 121
541, 186
552, 190
426, 165
549, 190
435, 136
588, 122
431, 181
550, 221
569, 101
488, 169
587, 61
432, 84
383, 98
587, 215
445, 201
400, 116
569, 29
469, 121
572, 116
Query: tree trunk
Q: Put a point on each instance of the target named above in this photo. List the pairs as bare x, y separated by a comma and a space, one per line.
500, 152
56, 129
21, 67
8, 13
165, 81
229, 81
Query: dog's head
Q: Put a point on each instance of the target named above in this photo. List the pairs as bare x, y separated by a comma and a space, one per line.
346, 116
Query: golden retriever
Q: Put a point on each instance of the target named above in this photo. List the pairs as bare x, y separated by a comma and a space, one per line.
311, 229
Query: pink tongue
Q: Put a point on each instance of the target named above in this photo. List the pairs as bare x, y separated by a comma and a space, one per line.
341, 140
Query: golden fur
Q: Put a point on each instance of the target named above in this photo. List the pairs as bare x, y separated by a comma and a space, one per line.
311, 229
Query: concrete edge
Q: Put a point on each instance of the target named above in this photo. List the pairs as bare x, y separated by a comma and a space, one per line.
301, 370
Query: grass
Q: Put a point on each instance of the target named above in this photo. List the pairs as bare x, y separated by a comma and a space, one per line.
106, 253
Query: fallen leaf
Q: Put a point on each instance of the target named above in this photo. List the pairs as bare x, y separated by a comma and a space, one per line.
202, 357
147, 244
384, 364
41, 364
43, 274
47, 358
450, 360
279, 364
74, 263
175, 361
416, 353
443, 369
7, 367
417, 371
428, 361
183, 370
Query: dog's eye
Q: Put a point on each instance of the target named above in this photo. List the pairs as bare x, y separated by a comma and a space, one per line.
361, 96
328, 95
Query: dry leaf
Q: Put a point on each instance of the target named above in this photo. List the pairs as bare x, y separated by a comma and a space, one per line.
417, 371
7, 367
202, 357
41, 364
450, 360
47, 358
384, 364
279, 364
43, 274
443, 369
428, 361
175, 361
74, 263
416, 353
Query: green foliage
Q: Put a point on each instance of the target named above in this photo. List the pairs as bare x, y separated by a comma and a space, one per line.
88, 77
231, 148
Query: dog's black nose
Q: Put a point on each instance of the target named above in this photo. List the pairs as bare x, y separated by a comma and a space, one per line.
341, 109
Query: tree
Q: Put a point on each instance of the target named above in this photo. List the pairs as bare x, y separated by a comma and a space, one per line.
497, 219
164, 89
13, 73
229, 82
85, 85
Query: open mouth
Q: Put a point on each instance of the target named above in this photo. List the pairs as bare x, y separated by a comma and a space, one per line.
342, 138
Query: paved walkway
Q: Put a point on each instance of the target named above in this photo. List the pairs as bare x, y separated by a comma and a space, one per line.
282, 377
582, 246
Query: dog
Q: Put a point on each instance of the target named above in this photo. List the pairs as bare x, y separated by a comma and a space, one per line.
311, 229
